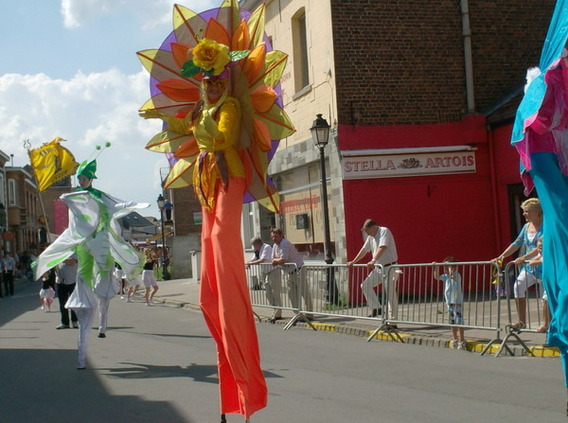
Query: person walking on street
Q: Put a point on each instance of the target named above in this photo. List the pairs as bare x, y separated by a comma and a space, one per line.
9, 267
149, 278
66, 277
380, 243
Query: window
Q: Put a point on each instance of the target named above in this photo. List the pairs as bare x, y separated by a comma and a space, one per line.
300, 46
13, 192
301, 211
2, 189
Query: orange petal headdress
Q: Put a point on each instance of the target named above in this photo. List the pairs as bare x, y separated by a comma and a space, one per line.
255, 83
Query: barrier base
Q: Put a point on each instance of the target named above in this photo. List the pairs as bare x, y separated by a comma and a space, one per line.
390, 329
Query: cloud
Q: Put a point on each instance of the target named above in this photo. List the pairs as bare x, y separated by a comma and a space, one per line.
87, 110
148, 13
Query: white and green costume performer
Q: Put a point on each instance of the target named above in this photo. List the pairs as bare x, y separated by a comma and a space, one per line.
94, 235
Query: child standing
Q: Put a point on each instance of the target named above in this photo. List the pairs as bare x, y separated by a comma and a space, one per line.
453, 296
47, 291
536, 263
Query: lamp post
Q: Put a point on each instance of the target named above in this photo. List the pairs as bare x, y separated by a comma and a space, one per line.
320, 135
165, 274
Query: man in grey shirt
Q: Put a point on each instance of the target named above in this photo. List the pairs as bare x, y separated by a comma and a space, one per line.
66, 278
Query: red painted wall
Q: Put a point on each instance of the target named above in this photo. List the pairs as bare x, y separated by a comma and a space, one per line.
507, 173
463, 215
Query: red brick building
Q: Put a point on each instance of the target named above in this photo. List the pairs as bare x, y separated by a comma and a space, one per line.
414, 84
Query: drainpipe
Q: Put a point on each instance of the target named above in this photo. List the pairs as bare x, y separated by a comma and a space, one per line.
466, 33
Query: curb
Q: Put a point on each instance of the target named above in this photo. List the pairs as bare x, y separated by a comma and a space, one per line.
474, 346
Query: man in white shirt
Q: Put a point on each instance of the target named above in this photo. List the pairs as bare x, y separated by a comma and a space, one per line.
380, 243
284, 252
262, 258
262, 254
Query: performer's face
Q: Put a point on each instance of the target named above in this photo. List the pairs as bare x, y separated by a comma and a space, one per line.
84, 182
214, 89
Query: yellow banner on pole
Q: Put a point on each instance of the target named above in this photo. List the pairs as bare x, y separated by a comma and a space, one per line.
51, 162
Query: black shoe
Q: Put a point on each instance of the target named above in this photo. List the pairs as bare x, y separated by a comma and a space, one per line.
62, 326
102, 335
273, 319
376, 312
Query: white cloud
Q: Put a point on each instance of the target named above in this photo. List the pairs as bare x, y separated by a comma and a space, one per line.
150, 13
87, 110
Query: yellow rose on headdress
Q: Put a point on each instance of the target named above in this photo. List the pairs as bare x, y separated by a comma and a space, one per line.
211, 56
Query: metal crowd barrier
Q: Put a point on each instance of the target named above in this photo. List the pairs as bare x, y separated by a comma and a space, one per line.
412, 296
280, 288
420, 292
533, 304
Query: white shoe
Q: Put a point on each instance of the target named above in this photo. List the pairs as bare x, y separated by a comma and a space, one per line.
43, 307
129, 300
462, 345
149, 304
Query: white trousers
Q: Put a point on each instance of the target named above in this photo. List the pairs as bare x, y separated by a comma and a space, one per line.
103, 313
85, 317
374, 279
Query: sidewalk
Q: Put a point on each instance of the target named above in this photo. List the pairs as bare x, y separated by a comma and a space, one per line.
185, 293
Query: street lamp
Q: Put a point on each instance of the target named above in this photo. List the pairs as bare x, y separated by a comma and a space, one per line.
320, 136
165, 274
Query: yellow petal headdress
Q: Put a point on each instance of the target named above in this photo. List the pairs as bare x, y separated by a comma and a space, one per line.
212, 40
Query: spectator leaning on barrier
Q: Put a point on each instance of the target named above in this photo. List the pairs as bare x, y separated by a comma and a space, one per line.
453, 295
526, 243
265, 275
380, 243
284, 252
262, 254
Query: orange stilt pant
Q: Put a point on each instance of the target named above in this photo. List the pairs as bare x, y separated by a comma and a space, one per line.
225, 302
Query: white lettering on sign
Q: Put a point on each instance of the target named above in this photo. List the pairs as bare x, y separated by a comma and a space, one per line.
398, 165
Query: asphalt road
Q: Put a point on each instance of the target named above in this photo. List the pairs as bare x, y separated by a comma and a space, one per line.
158, 365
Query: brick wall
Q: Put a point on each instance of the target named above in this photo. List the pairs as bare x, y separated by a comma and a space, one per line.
402, 62
185, 205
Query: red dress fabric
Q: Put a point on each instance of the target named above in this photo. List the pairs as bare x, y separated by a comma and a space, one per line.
225, 302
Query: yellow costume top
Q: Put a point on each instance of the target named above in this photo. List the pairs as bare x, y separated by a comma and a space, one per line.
216, 130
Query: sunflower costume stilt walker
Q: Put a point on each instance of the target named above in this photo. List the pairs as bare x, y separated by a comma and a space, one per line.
215, 83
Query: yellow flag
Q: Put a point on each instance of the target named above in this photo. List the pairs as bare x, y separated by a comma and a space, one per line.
51, 163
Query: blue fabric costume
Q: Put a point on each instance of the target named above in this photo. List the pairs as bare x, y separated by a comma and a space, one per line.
540, 134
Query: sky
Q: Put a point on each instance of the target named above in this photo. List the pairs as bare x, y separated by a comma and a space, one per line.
68, 68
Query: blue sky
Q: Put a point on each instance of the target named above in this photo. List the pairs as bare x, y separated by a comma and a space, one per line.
68, 68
